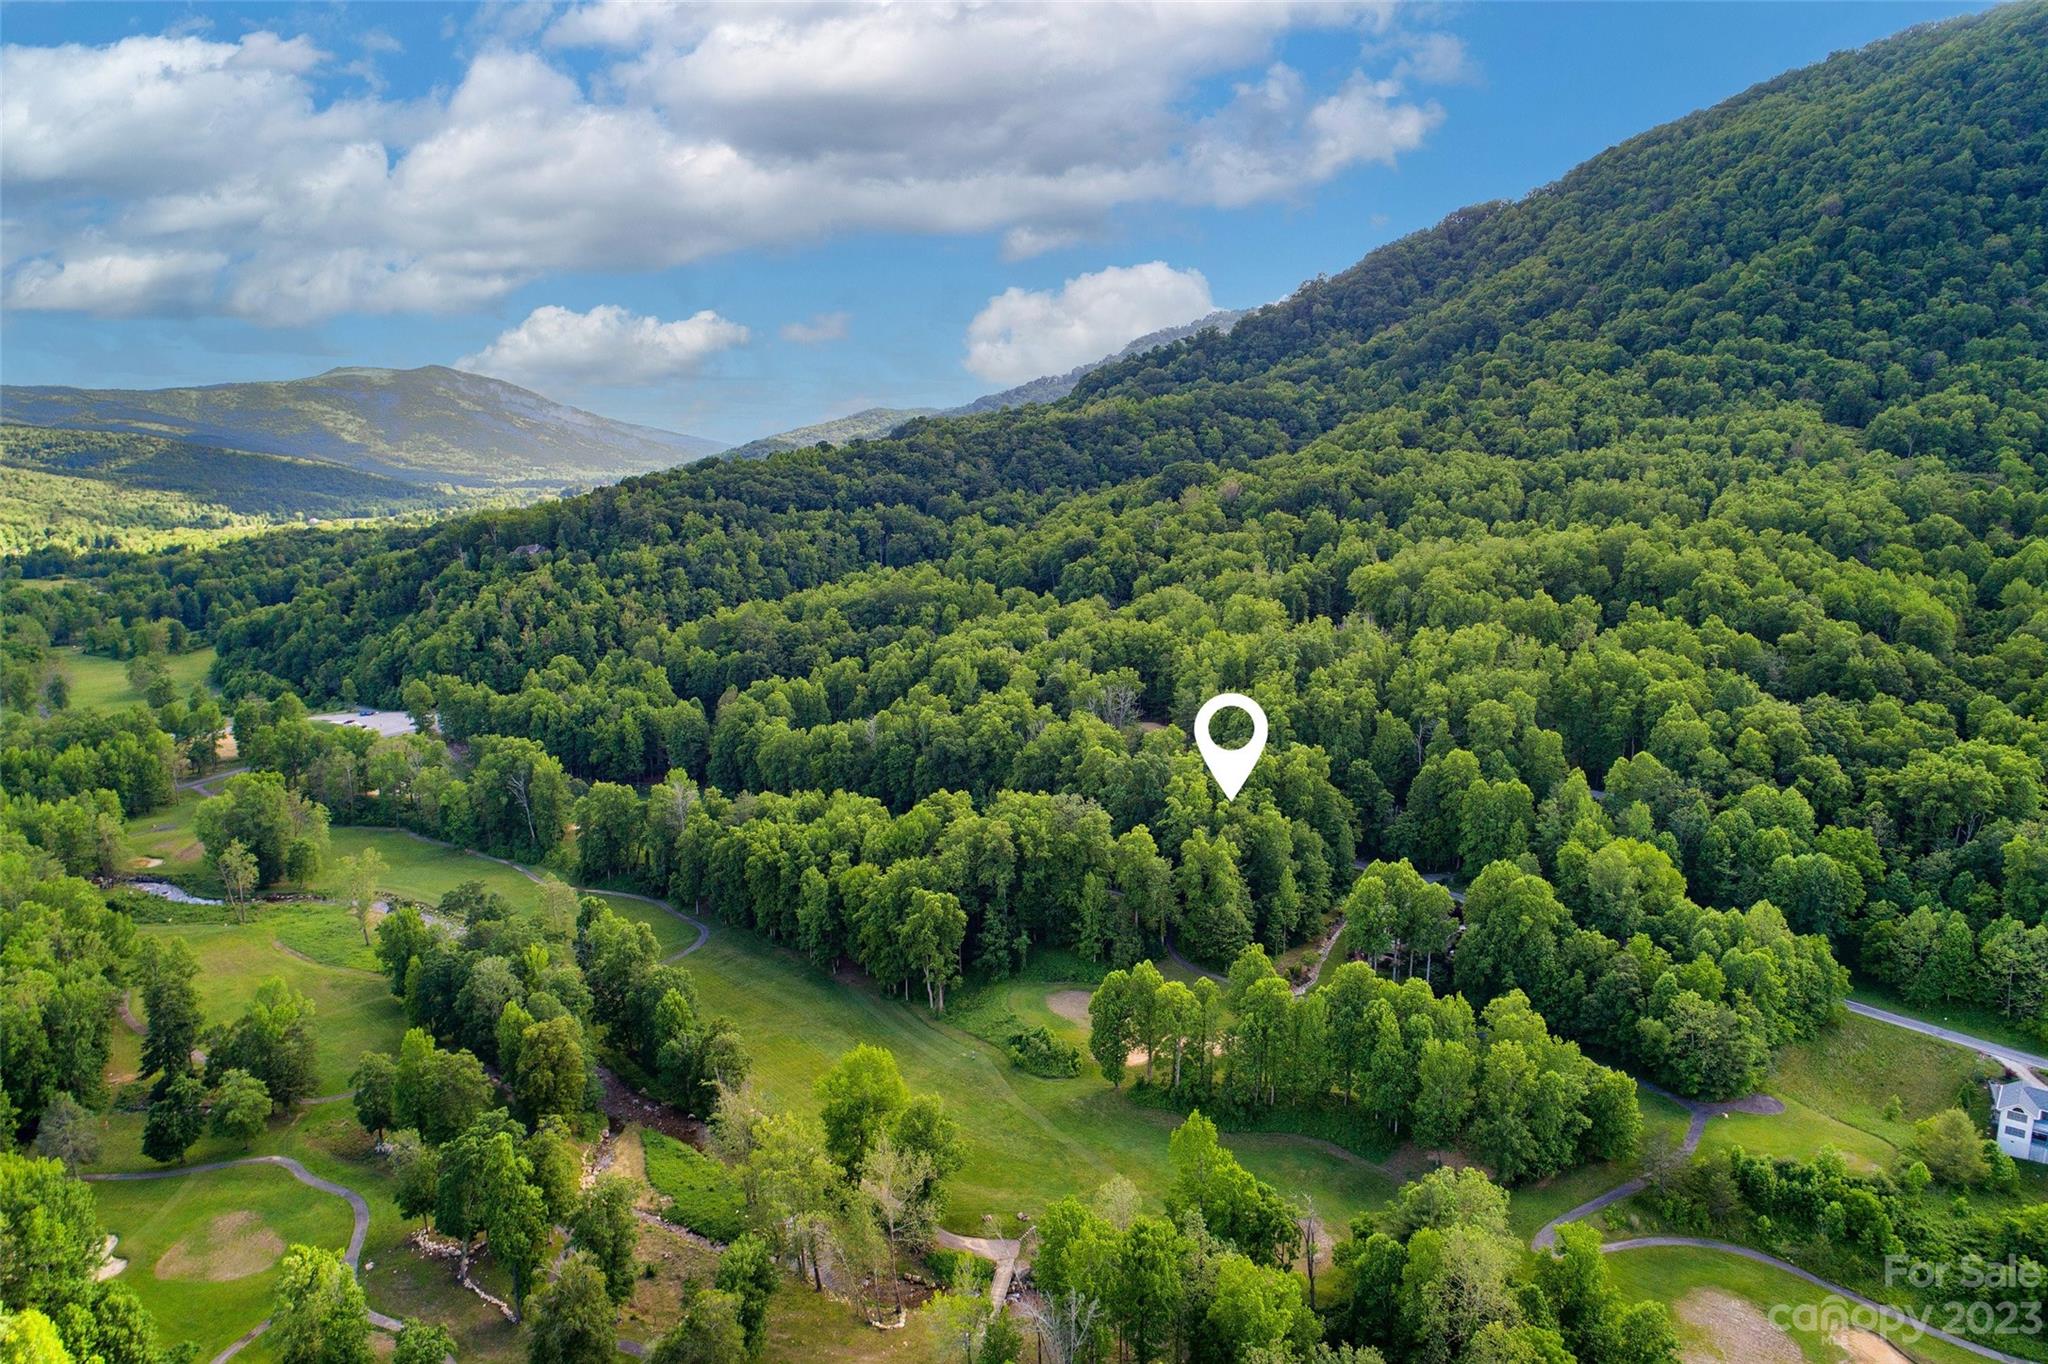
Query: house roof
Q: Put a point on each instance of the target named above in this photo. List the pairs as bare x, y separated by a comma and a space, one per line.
2017, 1093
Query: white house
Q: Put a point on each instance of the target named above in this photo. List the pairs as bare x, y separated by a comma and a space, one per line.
2021, 1112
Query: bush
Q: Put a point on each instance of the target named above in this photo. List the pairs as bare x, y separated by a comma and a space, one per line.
702, 1194
1038, 1052
957, 1268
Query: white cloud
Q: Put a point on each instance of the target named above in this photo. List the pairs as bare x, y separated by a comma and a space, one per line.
1024, 333
606, 346
113, 283
698, 130
1022, 243
820, 329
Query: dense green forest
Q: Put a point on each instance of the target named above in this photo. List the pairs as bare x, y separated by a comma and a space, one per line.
1656, 559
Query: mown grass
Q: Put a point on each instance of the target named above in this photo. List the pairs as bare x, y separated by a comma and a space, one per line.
97, 681
328, 934
1027, 1140
1668, 1274
218, 1222
1835, 1088
354, 1011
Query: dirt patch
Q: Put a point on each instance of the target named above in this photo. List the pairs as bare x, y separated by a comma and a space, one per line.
1071, 1005
145, 863
1735, 1331
233, 1246
629, 1162
623, 1106
1867, 1347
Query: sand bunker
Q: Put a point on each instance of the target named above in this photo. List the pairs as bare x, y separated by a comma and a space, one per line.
1071, 1005
111, 1264
233, 1246
1736, 1331
1867, 1347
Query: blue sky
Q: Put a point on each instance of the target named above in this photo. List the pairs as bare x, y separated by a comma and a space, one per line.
729, 222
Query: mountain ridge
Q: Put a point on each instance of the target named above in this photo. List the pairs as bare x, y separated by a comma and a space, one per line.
428, 425
874, 422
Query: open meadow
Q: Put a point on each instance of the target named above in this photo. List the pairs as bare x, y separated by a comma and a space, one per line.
99, 681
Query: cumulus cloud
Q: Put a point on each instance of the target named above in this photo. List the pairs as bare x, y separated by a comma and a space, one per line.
1024, 333
113, 283
606, 346
639, 137
820, 329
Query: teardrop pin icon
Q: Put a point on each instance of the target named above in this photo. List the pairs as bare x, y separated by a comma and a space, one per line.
1231, 767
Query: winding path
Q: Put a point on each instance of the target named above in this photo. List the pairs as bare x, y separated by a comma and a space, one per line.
1887, 1312
1546, 1235
200, 784
1184, 964
353, 1255
1315, 970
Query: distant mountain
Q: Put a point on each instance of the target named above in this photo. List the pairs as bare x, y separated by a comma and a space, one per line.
880, 421
1052, 387
432, 425
870, 422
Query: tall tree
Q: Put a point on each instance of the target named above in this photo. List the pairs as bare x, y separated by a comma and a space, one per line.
318, 1314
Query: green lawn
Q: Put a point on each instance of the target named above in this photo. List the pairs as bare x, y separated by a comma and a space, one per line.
1835, 1088
1048, 1135
1723, 1305
202, 1249
419, 870
167, 836
1854, 1067
97, 681
1028, 1140
354, 1010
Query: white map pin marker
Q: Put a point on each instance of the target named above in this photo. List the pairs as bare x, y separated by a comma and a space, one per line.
1231, 767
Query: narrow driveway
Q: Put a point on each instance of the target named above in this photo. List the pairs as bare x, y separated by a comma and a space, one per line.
2025, 1064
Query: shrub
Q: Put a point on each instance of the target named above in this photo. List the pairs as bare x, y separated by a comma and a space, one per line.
702, 1194
957, 1268
1038, 1052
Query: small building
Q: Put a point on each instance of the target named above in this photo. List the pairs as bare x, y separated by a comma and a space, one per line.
2020, 1110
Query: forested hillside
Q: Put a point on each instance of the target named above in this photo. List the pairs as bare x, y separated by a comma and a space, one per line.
1659, 553
102, 489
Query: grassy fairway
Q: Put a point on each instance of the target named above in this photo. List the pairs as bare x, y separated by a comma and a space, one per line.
167, 837
1025, 1135
202, 1249
419, 870
1027, 1139
355, 1011
97, 681
1722, 1304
